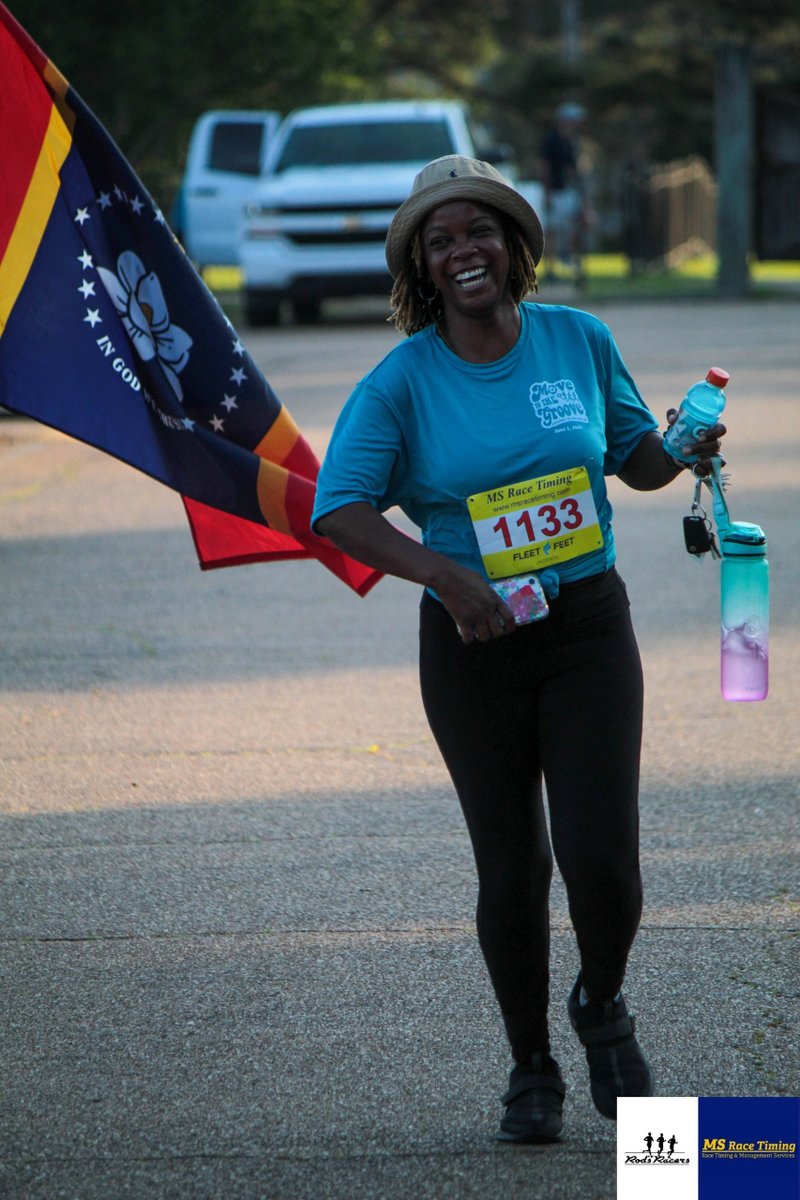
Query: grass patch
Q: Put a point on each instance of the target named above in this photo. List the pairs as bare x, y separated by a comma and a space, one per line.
607, 277
611, 276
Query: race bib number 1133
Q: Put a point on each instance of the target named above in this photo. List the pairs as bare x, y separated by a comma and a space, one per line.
530, 525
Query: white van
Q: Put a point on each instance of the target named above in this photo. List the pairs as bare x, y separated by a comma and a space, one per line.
226, 157
336, 174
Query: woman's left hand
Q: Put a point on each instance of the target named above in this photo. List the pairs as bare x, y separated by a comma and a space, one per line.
707, 446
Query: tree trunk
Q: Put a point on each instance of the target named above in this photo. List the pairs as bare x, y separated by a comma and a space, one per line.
733, 144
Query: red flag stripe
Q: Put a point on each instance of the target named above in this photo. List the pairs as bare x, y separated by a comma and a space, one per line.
283, 443
222, 540
301, 460
25, 41
23, 128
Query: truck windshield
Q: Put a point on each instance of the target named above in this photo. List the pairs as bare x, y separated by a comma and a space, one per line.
365, 142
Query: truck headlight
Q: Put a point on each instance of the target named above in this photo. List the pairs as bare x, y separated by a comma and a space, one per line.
262, 222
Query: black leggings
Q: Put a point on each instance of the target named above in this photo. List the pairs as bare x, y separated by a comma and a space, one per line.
560, 699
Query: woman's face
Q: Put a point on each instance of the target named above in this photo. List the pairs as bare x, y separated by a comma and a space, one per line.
465, 252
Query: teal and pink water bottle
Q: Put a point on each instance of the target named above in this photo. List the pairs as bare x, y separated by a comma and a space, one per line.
744, 612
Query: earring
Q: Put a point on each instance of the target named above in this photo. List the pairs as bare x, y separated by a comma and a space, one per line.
428, 299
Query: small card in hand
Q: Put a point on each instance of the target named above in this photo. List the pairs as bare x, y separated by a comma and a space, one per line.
524, 596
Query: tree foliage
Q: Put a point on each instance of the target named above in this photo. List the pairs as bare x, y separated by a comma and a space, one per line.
149, 69
645, 74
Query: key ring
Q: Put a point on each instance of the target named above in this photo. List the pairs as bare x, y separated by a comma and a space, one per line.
697, 508
697, 543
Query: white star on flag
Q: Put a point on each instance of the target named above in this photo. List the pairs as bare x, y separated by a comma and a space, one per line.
86, 260
218, 424
229, 402
104, 200
87, 288
238, 375
82, 215
136, 205
93, 316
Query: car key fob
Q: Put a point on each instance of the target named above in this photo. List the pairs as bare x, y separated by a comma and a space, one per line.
696, 535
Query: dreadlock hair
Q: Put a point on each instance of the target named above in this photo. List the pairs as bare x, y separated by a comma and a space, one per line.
412, 310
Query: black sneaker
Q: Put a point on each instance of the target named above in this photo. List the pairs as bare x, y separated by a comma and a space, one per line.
617, 1066
533, 1102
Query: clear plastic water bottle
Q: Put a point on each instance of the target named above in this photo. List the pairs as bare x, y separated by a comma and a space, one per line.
700, 409
744, 656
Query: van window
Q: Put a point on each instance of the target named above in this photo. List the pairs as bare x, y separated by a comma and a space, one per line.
236, 146
365, 142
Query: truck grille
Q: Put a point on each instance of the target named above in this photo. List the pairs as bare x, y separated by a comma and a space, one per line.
338, 210
349, 237
335, 225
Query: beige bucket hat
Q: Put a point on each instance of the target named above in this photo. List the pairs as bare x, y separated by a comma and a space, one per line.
455, 177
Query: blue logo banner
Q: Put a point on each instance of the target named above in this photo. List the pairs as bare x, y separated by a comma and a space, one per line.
748, 1147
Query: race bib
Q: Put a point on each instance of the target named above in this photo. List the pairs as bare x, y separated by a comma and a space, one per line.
531, 525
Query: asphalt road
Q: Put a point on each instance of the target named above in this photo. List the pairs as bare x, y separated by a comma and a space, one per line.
237, 943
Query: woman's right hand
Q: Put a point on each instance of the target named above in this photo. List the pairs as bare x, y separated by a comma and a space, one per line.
360, 530
479, 613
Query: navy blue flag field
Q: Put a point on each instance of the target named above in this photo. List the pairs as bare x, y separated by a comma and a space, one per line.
108, 333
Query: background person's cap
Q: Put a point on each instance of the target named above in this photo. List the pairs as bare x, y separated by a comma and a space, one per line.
569, 111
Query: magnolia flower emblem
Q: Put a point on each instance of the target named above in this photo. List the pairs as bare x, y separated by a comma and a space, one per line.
139, 300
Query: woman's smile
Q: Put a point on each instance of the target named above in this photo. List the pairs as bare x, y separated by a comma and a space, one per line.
469, 280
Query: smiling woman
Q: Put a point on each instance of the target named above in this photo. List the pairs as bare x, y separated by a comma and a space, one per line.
493, 427
419, 249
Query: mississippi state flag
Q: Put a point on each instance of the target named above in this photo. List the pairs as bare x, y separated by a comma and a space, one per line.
108, 333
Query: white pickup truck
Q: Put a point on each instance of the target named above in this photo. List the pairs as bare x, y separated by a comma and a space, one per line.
226, 157
335, 176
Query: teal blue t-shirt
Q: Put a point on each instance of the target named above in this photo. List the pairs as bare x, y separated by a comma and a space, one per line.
425, 429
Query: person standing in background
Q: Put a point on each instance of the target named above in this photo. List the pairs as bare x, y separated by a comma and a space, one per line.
566, 210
